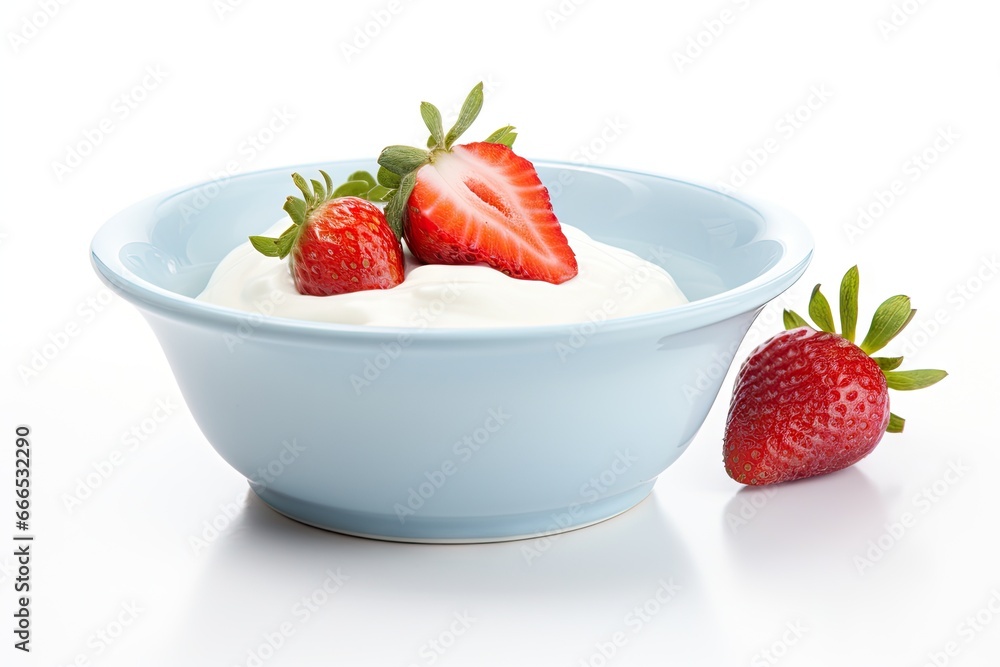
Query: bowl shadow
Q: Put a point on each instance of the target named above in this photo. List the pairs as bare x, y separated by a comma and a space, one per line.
554, 586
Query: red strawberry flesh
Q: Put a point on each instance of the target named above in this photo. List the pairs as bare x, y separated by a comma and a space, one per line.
481, 202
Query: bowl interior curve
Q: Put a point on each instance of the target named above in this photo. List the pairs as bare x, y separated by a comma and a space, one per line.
710, 242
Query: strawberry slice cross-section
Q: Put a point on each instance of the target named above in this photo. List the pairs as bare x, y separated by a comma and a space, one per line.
476, 203
481, 202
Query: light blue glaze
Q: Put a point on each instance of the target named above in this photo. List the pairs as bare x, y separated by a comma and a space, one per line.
533, 430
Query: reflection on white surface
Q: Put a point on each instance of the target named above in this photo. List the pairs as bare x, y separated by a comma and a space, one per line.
803, 523
626, 586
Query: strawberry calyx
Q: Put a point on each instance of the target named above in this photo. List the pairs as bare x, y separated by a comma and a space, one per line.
300, 209
398, 165
890, 318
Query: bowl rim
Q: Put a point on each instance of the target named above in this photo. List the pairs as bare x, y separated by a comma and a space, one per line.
779, 225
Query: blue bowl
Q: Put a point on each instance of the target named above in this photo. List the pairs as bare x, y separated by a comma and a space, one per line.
456, 435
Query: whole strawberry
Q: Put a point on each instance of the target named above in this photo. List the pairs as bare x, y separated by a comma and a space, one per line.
472, 203
809, 402
337, 243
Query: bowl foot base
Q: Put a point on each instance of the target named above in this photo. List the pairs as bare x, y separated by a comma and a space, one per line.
453, 530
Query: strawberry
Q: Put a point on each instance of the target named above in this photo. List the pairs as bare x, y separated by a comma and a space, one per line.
473, 203
338, 243
809, 402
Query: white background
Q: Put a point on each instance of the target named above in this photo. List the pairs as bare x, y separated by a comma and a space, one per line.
602, 77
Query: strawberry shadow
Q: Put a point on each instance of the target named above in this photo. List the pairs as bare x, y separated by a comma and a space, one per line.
807, 528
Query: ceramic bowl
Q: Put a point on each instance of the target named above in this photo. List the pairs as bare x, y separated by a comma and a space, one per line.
456, 435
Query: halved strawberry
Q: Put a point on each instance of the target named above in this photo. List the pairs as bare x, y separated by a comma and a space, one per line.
473, 203
338, 243
480, 202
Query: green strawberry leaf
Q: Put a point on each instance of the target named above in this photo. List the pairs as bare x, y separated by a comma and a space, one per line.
849, 303
379, 193
432, 119
318, 190
287, 240
888, 321
401, 160
296, 210
396, 207
888, 363
265, 245
819, 311
352, 189
793, 320
896, 424
356, 176
303, 186
388, 179
505, 135
470, 110
910, 380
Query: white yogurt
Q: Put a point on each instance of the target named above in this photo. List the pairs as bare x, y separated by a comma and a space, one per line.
612, 282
